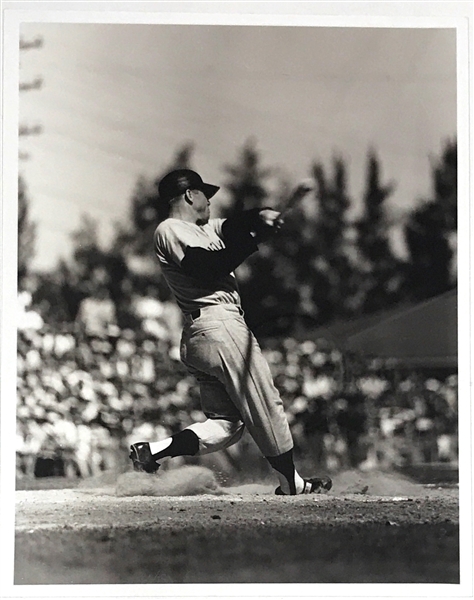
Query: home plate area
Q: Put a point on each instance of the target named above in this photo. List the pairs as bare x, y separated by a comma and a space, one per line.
181, 526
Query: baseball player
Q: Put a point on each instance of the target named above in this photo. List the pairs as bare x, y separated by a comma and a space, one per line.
198, 256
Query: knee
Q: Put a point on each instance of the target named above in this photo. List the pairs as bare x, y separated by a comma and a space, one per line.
234, 431
217, 434
218, 429
231, 430
235, 427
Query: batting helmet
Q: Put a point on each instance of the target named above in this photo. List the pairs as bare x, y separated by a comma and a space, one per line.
177, 182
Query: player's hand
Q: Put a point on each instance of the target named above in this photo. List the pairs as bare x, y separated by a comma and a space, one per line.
271, 218
269, 222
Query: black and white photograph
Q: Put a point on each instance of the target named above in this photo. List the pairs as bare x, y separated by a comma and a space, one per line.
236, 299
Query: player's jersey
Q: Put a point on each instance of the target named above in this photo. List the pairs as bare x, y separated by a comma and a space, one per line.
172, 238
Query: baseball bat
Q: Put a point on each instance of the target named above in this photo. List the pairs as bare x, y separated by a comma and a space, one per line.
298, 194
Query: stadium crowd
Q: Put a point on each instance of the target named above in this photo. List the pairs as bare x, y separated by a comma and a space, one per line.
83, 395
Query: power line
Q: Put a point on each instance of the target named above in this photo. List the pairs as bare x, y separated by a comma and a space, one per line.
69, 197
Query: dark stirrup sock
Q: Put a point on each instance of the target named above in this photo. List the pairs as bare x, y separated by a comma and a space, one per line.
184, 443
284, 464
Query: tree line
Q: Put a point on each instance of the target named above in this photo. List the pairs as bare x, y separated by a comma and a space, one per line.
335, 259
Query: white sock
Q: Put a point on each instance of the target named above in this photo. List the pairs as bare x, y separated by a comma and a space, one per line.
285, 486
156, 447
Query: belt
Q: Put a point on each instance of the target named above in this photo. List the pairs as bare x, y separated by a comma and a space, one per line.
195, 314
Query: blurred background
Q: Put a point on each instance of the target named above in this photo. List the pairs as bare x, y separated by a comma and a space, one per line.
354, 303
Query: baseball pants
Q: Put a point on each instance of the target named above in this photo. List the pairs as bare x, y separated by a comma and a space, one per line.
236, 384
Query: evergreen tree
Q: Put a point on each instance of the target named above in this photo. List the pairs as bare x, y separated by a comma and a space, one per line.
267, 278
246, 180
57, 295
145, 210
430, 233
86, 253
133, 243
72, 280
26, 234
380, 270
325, 256
304, 276
91, 271
95, 270
333, 206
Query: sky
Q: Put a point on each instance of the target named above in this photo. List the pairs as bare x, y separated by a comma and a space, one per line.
118, 100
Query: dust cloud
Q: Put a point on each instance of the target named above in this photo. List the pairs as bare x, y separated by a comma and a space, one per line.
198, 480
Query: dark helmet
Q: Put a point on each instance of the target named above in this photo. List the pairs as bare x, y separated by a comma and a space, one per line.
177, 182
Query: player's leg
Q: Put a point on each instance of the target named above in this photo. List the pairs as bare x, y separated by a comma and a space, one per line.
291, 482
223, 346
248, 380
221, 429
145, 455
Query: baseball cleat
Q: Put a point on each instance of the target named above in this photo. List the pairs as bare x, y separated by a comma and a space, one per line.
142, 458
316, 485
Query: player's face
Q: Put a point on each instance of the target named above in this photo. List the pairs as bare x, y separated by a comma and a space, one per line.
201, 205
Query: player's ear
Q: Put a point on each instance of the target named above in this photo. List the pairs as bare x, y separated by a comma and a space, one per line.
188, 196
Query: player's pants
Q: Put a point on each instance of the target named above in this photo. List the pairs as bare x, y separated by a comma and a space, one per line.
236, 384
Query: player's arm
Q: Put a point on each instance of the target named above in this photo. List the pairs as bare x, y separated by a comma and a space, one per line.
172, 245
241, 234
211, 265
259, 223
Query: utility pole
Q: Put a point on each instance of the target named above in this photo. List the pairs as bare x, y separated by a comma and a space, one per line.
31, 44
28, 86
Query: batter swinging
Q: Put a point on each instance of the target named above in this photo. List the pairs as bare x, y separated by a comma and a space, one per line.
198, 256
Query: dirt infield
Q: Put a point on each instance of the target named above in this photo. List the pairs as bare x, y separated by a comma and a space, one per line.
182, 527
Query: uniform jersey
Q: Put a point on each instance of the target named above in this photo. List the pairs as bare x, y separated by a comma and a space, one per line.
171, 240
